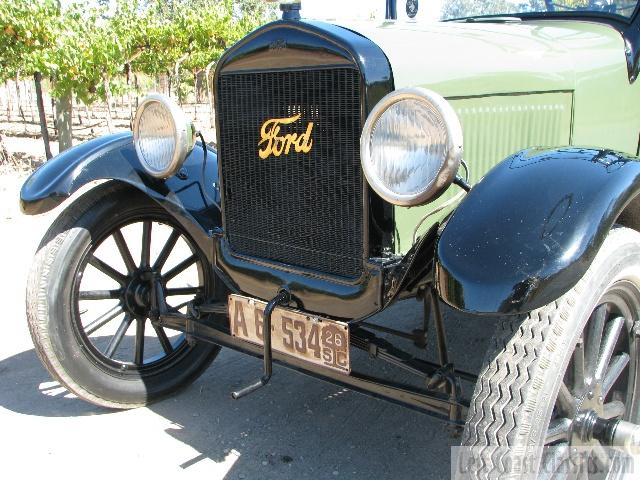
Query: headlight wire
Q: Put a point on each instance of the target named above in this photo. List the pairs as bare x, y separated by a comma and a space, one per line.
460, 182
203, 173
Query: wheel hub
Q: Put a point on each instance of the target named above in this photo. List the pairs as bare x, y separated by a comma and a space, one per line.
591, 401
137, 295
589, 428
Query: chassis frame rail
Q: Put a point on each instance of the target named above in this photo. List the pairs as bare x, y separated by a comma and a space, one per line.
431, 401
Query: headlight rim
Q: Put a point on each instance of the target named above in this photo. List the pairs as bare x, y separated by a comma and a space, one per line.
183, 134
451, 163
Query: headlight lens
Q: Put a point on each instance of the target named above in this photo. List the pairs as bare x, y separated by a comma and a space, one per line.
411, 146
162, 135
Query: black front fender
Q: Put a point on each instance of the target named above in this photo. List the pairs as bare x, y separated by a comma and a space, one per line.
190, 198
529, 230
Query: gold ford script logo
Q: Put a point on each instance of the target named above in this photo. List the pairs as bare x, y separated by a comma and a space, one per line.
273, 143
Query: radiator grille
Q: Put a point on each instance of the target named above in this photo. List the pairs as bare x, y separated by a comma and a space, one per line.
302, 209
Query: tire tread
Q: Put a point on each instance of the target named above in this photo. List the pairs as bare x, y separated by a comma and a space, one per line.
37, 289
53, 245
507, 391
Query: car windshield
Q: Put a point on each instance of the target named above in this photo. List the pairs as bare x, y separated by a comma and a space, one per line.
454, 9
439, 10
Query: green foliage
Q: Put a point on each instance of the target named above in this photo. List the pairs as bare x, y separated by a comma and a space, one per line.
82, 46
27, 29
194, 32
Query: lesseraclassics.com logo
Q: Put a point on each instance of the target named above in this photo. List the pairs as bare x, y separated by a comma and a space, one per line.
559, 461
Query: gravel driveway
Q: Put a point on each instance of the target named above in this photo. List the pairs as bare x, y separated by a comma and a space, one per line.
296, 427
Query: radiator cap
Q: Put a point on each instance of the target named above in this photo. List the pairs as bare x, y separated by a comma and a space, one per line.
291, 10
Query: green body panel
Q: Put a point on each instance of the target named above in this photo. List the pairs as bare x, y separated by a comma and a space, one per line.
507, 124
515, 85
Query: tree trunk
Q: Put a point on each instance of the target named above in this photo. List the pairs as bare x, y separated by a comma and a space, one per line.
4, 154
201, 86
207, 71
20, 110
37, 77
29, 91
176, 74
107, 94
53, 112
176, 77
135, 84
6, 86
196, 87
129, 101
64, 112
195, 104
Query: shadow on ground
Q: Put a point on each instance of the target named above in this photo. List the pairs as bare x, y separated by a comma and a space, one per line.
296, 427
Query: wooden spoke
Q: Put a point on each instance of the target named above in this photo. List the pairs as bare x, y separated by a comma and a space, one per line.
100, 294
163, 339
565, 401
181, 267
145, 259
558, 430
166, 251
578, 367
617, 366
609, 342
107, 270
172, 292
103, 319
614, 409
124, 251
183, 304
601, 457
117, 338
553, 463
594, 338
139, 353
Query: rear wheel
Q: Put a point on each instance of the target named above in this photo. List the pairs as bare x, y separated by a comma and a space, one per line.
551, 378
89, 299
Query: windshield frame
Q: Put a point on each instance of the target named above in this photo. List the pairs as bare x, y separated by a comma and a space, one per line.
585, 15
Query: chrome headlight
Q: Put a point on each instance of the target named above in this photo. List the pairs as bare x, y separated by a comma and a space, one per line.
162, 135
411, 146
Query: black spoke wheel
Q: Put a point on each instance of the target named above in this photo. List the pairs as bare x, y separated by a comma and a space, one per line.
556, 379
132, 290
90, 299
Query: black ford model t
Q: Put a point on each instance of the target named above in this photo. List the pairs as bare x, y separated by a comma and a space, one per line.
319, 208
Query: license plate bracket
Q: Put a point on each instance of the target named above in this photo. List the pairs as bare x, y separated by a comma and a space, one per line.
311, 338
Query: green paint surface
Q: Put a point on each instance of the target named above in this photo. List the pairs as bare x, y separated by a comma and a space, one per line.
495, 127
515, 85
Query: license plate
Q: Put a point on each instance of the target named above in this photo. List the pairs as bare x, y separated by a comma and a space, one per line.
314, 339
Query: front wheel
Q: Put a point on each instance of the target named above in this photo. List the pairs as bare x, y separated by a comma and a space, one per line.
89, 299
554, 377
